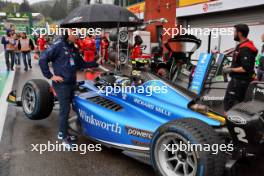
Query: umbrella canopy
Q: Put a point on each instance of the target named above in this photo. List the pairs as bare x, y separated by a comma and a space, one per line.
100, 16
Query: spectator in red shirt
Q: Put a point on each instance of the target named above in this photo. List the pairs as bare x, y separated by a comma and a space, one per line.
41, 42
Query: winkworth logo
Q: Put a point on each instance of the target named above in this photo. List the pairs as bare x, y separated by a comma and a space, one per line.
115, 128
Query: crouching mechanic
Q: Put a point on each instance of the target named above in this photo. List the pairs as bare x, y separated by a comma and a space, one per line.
242, 68
65, 61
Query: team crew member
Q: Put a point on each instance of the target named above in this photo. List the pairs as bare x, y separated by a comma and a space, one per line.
9, 45
137, 51
66, 61
79, 44
25, 45
242, 68
89, 49
104, 49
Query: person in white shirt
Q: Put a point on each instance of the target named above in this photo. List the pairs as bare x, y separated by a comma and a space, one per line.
17, 51
26, 45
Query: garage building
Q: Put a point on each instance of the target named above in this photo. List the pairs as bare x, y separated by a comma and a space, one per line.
222, 14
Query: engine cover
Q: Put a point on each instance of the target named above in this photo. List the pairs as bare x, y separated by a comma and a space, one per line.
245, 122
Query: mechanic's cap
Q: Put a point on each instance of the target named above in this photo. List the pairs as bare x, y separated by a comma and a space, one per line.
243, 28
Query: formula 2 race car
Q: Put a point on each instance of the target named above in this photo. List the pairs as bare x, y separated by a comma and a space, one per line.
147, 126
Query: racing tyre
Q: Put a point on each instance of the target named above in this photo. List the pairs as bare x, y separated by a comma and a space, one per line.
37, 99
123, 36
167, 158
123, 58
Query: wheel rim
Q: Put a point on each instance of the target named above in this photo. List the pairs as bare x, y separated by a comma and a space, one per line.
123, 37
122, 59
29, 100
178, 163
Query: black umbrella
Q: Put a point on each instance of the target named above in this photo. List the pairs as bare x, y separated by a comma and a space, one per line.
100, 16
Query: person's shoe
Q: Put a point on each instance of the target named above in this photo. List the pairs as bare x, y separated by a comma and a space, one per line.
67, 144
26, 69
30, 67
70, 137
60, 136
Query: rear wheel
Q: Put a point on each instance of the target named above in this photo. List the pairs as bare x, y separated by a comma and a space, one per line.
169, 160
37, 99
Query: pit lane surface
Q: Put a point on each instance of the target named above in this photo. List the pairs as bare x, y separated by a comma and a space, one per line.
17, 159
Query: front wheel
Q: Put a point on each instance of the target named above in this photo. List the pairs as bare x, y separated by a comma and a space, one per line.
170, 157
37, 99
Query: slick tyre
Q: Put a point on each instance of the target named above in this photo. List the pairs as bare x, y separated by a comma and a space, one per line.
123, 36
37, 99
168, 159
123, 58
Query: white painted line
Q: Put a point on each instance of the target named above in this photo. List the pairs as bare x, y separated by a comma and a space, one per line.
3, 102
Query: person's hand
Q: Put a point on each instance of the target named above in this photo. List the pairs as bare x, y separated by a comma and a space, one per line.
227, 70
57, 79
